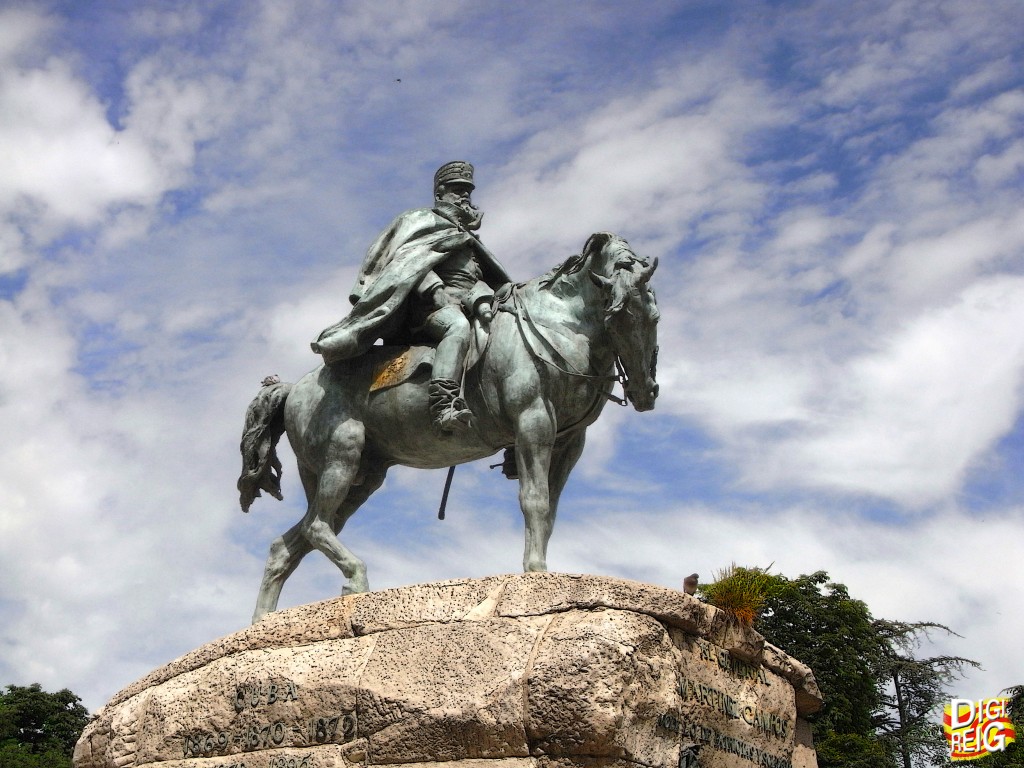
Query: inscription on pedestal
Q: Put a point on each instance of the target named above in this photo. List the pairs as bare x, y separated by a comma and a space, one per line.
305, 759
255, 731
723, 742
727, 663
252, 695
769, 723
729, 706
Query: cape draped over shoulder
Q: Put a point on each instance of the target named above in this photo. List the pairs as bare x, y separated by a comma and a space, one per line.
412, 245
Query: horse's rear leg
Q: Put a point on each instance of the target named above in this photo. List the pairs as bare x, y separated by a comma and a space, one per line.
373, 478
324, 515
286, 552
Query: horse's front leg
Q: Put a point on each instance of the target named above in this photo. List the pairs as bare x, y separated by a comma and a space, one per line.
567, 452
535, 438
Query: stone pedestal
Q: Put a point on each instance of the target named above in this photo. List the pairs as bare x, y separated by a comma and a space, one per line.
520, 671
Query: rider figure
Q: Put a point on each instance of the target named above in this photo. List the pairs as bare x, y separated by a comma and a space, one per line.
425, 277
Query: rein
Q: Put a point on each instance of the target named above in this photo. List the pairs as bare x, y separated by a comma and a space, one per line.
512, 303
519, 311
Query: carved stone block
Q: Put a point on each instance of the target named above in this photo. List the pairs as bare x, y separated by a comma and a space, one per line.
523, 671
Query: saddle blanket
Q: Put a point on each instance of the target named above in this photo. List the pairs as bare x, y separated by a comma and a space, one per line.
394, 365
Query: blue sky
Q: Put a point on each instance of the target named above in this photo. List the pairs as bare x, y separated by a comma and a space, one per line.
833, 191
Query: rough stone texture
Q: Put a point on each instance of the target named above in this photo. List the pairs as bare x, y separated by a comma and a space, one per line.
526, 671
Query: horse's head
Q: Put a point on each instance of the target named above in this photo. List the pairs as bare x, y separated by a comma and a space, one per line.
631, 313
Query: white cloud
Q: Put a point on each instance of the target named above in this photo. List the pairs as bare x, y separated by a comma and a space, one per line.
103, 507
988, 75
60, 153
648, 163
1002, 167
20, 29
889, 366
162, 23
840, 293
909, 420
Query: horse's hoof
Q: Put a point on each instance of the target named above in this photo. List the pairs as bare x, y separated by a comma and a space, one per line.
355, 589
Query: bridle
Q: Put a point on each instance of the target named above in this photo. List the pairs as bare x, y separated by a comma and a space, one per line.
514, 305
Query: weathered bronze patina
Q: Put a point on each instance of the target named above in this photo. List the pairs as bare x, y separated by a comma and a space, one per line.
546, 360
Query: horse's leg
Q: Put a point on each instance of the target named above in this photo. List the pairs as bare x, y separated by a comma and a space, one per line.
535, 437
567, 452
323, 516
373, 478
286, 552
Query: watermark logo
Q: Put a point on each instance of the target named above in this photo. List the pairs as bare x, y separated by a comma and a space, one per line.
975, 728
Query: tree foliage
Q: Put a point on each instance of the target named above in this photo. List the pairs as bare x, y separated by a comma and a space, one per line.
819, 623
882, 703
39, 729
917, 690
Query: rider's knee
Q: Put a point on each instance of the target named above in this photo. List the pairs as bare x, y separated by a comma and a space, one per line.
459, 325
451, 321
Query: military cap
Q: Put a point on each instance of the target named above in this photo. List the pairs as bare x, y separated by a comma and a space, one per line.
455, 172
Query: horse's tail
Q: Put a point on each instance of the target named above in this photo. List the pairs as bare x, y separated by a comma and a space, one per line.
264, 424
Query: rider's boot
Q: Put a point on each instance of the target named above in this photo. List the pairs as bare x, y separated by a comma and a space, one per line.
448, 410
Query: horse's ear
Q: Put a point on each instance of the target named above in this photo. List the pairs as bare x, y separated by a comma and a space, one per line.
596, 242
647, 272
600, 280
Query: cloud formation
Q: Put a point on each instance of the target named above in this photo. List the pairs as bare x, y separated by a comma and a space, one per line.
833, 194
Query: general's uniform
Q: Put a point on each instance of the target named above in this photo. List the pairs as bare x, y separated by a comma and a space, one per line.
420, 251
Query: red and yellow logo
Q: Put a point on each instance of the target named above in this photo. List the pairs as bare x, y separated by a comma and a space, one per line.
975, 728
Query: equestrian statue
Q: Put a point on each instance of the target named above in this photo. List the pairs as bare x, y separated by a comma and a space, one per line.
444, 360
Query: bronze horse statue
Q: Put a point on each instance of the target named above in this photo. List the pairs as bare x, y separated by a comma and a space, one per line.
544, 376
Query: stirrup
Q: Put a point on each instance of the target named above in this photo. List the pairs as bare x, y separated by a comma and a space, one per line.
449, 412
453, 420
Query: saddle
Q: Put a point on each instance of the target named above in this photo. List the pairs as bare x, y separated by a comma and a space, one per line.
393, 365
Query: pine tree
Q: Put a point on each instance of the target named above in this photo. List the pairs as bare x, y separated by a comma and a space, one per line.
919, 688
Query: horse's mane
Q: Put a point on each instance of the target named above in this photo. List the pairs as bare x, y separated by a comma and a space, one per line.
574, 264
570, 266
